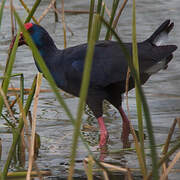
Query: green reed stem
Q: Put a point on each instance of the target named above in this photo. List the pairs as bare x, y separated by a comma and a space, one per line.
91, 14
21, 85
1, 11
130, 63
28, 11
90, 168
143, 100
43, 66
22, 88
30, 98
8, 122
17, 132
113, 12
99, 6
47, 74
33, 10
100, 23
8, 70
138, 100
83, 93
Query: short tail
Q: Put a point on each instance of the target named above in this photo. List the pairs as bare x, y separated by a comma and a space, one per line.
160, 53
161, 34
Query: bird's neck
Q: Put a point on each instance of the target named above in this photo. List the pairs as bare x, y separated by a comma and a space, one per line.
48, 54
44, 43
47, 50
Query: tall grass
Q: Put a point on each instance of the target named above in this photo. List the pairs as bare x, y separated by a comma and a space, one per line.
94, 30
8, 70
83, 91
18, 131
138, 100
139, 104
28, 11
112, 17
1, 11
33, 10
45, 70
139, 88
91, 14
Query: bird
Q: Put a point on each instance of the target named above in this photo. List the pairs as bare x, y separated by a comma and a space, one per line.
109, 69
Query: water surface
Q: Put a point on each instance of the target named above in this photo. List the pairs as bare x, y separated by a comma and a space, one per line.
162, 90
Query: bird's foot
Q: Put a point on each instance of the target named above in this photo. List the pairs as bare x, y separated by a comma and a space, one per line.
103, 138
103, 133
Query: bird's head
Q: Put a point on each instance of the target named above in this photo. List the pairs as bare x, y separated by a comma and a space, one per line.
39, 35
28, 27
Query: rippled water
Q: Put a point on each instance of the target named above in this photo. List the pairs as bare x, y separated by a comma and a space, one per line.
162, 90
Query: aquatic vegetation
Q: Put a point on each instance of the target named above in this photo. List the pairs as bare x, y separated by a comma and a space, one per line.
99, 17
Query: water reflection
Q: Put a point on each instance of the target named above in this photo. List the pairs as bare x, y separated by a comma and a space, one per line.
54, 127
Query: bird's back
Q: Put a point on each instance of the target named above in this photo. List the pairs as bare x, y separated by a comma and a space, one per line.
109, 63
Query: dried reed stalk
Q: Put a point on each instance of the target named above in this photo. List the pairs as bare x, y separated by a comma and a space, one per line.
119, 14
165, 170
28, 90
7, 105
173, 162
166, 146
106, 9
31, 153
64, 24
28, 10
111, 166
105, 175
51, 4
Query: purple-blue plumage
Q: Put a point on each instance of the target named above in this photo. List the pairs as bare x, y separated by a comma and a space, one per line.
109, 68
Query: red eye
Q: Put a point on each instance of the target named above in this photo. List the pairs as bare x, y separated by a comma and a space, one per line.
28, 25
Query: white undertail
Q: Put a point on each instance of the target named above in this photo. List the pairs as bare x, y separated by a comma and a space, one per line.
161, 39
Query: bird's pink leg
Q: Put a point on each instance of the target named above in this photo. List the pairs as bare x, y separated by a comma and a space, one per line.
103, 132
125, 127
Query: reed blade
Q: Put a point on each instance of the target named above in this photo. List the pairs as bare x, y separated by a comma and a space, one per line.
1, 11
83, 93
138, 100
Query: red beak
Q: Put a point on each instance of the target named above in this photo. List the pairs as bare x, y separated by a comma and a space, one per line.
21, 40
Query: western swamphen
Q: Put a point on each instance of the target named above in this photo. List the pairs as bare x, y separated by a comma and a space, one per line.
109, 68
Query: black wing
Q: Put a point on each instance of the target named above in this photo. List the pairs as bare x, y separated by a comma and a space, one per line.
109, 63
